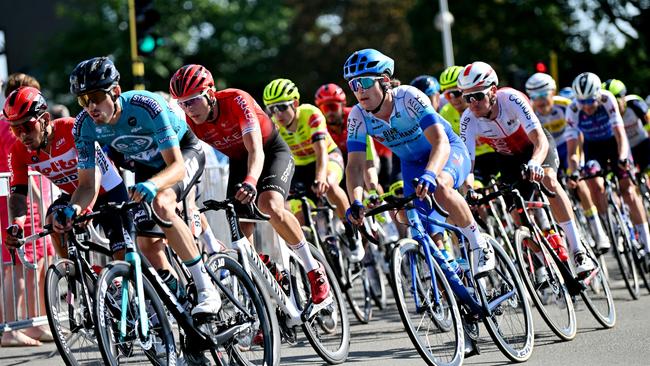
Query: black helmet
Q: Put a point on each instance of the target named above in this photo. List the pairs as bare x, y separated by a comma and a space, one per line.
98, 73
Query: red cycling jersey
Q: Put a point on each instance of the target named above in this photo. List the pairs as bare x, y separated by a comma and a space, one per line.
60, 164
238, 115
508, 132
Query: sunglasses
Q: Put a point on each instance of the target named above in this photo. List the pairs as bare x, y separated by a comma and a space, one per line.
588, 101
331, 107
191, 101
476, 96
25, 127
96, 97
453, 94
279, 107
363, 82
542, 95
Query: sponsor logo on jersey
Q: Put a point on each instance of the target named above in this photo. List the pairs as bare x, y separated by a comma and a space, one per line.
61, 163
315, 120
132, 121
132, 144
148, 104
521, 103
59, 143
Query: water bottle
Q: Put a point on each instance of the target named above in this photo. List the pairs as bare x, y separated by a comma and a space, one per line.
281, 276
556, 243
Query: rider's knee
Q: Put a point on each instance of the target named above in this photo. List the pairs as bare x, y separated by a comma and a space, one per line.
272, 205
165, 203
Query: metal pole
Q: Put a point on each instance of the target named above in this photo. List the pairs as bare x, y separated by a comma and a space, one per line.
444, 24
136, 64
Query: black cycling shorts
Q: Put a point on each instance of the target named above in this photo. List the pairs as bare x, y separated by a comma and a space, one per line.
112, 227
276, 174
606, 154
641, 153
305, 174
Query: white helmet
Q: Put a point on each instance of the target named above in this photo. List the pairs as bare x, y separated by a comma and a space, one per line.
477, 74
540, 82
586, 85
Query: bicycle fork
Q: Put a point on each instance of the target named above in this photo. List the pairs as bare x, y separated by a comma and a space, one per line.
135, 261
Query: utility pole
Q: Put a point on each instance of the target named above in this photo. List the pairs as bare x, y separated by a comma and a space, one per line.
443, 22
137, 66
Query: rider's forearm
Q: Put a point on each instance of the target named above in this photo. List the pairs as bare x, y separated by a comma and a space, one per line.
540, 145
255, 163
84, 196
440, 148
573, 146
370, 177
321, 160
17, 208
354, 180
170, 175
621, 142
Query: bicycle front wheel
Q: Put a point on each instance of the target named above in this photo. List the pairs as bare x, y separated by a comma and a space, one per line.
597, 295
157, 347
429, 314
510, 323
545, 285
69, 313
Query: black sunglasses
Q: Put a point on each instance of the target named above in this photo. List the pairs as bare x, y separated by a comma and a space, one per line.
454, 93
476, 96
278, 108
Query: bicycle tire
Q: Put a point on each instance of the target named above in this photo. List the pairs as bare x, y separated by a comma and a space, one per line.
405, 251
643, 268
317, 339
66, 337
597, 290
165, 353
563, 308
494, 327
624, 258
262, 305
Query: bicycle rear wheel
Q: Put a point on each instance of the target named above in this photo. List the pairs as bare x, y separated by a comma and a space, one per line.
510, 323
545, 285
621, 244
71, 322
329, 330
597, 295
259, 341
432, 320
158, 348
375, 275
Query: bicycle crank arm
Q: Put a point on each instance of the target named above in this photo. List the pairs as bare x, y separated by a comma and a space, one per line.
226, 335
313, 309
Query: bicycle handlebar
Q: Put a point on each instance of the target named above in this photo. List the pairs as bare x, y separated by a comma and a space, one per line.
214, 205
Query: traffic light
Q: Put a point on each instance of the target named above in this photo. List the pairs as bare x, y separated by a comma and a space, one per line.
540, 67
146, 17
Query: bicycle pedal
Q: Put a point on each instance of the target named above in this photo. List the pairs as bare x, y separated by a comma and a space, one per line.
206, 318
313, 309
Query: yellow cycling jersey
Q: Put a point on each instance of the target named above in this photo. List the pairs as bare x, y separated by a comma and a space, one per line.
451, 115
555, 122
311, 128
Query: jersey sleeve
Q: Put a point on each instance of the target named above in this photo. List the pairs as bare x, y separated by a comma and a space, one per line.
356, 131
84, 139
317, 125
523, 111
639, 107
611, 105
419, 106
19, 169
571, 114
243, 109
467, 133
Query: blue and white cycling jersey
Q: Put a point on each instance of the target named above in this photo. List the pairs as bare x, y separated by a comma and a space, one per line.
147, 126
600, 125
404, 133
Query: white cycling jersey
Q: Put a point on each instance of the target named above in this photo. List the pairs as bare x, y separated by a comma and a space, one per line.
508, 133
555, 121
633, 124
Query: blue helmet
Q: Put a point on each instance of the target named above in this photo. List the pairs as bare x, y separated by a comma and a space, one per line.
428, 84
368, 62
567, 92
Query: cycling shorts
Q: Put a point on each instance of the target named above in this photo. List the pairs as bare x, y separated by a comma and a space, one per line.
111, 226
606, 154
641, 153
305, 175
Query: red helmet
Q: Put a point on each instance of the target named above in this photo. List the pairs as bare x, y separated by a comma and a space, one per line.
190, 79
23, 102
329, 93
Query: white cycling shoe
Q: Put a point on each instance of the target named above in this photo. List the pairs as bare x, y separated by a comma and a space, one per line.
584, 265
483, 260
209, 303
356, 255
602, 243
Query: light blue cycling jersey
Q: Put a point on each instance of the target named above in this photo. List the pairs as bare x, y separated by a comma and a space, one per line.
147, 126
600, 125
404, 133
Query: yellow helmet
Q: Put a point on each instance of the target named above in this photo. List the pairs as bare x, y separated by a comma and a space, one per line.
449, 77
280, 90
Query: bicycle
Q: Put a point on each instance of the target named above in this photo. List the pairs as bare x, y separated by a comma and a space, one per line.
419, 270
133, 302
325, 325
69, 291
549, 279
353, 278
621, 233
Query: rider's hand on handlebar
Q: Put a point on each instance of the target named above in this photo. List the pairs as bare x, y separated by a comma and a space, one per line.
15, 233
472, 195
535, 171
426, 184
64, 217
355, 213
320, 187
246, 193
625, 164
572, 181
143, 191
373, 199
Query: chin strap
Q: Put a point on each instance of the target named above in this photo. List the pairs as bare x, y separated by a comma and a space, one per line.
45, 134
383, 97
211, 102
114, 99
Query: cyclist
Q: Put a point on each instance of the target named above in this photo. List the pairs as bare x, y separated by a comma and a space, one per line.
403, 119
504, 119
487, 161
595, 113
166, 157
319, 162
550, 109
47, 146
430, 86
232, 122
635, 115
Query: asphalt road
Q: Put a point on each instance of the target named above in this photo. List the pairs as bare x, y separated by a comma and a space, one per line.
384, 342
